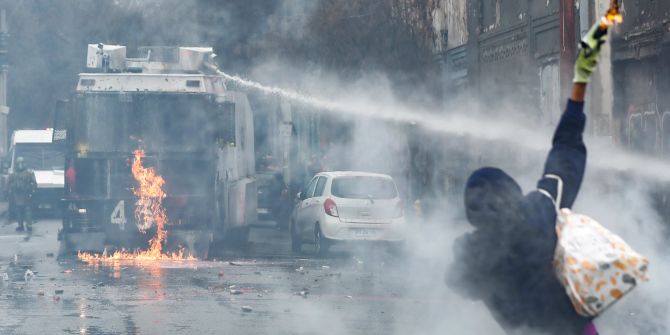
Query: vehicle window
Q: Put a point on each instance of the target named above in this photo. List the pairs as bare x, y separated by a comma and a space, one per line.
320, 185
107, 123
39, 156
364, 187
310, 188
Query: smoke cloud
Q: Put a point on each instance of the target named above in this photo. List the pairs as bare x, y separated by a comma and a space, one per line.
616, 192
48, 50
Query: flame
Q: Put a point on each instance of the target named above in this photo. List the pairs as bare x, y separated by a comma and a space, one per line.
613, 15
149, 211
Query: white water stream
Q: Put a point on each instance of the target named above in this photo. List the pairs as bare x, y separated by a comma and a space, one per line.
604, 156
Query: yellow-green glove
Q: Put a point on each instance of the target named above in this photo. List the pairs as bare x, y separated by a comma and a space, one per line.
589, 53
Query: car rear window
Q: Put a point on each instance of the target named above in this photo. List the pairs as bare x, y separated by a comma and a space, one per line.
363, 187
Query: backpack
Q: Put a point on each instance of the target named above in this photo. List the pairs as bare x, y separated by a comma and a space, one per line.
595, 266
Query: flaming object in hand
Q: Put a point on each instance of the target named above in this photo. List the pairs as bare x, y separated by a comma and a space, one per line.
613, 16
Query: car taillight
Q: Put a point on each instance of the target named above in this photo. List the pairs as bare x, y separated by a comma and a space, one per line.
330, 207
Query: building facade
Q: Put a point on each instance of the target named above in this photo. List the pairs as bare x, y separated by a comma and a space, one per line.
641, 78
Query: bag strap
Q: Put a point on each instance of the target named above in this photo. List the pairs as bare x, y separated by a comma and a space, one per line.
559, 191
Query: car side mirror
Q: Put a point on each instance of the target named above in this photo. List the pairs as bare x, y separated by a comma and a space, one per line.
298, 196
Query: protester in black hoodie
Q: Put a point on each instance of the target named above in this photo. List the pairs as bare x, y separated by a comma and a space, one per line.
507, 260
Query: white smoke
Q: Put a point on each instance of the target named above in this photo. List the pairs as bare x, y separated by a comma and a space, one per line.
489, 128
623, 205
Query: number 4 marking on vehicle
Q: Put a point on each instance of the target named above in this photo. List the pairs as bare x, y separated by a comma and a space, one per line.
119, 215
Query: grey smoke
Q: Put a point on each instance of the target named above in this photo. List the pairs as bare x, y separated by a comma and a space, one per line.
48, 51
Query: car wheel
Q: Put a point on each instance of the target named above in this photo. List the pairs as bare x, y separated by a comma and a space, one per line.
397, 248
238, 237
244, 236
321, 243
296, 242
219, 228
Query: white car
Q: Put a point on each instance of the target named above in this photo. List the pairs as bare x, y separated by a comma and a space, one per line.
346, 206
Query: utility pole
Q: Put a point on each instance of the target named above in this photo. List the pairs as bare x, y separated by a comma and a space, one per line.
568, 51
4, 70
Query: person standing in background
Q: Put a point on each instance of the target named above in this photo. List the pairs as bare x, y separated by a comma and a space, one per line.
21, 188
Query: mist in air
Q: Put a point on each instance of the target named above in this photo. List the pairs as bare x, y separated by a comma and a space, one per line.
298, 51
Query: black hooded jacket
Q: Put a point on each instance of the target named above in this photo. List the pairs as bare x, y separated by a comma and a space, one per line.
507, 261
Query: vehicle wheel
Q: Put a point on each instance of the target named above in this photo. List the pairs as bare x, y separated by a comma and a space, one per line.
236, 237
296, 242
282, 224
397, 248
284, 218
244, 235
218, 226
240, 237
321, 243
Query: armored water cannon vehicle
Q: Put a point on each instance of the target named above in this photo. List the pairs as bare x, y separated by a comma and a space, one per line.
195, 132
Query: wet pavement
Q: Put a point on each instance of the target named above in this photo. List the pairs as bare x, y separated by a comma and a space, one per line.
264, 289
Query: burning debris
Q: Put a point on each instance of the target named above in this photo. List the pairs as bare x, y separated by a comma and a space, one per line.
149, 211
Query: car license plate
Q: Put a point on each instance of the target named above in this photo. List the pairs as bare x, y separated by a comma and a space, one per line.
365, 232
263, 211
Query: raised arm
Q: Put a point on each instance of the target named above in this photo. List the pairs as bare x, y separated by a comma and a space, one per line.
567, 158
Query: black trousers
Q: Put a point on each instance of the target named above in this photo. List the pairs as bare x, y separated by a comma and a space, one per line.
24, 214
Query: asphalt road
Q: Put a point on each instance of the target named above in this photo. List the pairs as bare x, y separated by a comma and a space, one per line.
263, 290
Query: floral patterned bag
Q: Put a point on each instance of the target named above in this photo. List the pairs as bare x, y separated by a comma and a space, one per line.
595, 266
